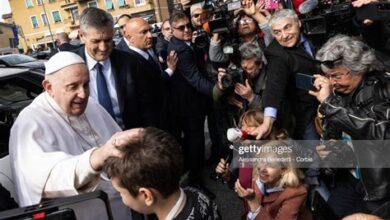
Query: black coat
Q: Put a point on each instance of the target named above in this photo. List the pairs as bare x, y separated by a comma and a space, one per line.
189, 84
121, 64
67, 47
151, 89
283, 64
122, 45
161, 47
364, 115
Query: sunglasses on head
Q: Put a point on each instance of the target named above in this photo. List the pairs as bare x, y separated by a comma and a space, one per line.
183, 27
330, 64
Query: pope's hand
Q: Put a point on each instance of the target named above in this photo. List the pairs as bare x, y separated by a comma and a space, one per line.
112, 148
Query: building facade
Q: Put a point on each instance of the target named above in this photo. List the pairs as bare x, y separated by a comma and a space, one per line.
40, 20
8, 42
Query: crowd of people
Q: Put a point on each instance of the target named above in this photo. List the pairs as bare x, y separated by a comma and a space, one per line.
129, 118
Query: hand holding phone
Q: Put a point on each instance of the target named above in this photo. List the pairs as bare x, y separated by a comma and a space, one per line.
304, 81
245, 177
323, 88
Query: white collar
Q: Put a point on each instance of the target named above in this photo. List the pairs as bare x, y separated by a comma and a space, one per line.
57, 108
92, 62
176, 207
143, 53
264, 191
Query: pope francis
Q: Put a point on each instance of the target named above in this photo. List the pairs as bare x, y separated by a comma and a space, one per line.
58, 143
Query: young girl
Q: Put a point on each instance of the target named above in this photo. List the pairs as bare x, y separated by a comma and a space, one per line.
249, 121
277, 191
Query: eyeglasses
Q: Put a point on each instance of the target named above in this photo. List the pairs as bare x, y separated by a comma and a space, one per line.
330, 64
245, 21
183, 27
336, 77
195, 15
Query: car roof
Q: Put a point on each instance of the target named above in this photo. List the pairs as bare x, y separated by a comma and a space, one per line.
7, 71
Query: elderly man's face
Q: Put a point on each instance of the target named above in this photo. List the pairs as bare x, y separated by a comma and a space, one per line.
69, 87
246, 26
196, 17
166, 31
98, 43
182, 29
342, 80
138, 34
286, 31
250, 67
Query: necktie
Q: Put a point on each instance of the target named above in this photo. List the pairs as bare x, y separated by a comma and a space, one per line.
102, 90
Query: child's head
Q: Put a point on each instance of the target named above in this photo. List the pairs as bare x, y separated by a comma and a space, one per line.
150, 169
253, 118
276, 167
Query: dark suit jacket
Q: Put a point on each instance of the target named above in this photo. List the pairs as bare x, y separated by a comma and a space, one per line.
67, 47
151, 90
161, 47
122, 45
125, 87
283, 64
189, 84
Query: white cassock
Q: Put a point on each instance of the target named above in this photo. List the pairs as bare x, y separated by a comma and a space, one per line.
50, 153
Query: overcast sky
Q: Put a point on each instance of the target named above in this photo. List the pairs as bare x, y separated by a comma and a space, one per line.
4, 8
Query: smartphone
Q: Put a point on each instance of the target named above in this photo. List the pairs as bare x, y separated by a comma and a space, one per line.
304, 81
245, 177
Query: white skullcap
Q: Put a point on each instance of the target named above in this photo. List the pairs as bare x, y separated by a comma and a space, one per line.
195, 7
61, 60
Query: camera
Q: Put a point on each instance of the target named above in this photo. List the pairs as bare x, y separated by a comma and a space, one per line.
202, 38
233, 75
222, 14
329, 18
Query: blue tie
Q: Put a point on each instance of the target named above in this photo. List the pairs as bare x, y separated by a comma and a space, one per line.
102, 90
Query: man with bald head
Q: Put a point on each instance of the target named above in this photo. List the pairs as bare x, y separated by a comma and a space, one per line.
152, 90
58, 143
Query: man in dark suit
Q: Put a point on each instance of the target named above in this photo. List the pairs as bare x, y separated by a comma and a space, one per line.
62, 43
111, 80
122, 21
151, 88
189, 88
288, 54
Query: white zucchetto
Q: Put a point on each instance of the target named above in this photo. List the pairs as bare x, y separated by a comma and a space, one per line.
61, 60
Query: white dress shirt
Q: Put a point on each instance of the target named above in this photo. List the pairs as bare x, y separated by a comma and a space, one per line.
107, 72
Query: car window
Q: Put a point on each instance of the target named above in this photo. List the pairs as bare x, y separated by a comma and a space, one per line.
16, 92
16, 59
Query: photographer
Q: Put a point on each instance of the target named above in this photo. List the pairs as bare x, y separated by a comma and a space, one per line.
247, 24
354, 96
251, 87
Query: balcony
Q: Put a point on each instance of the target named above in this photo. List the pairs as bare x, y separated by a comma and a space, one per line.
69, 6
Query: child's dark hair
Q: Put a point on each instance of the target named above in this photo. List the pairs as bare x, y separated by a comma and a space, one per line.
152, 160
